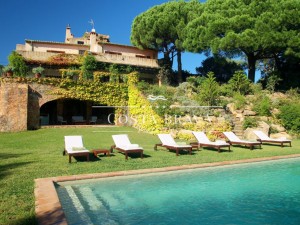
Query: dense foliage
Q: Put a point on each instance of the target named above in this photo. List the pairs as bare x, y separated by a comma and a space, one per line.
162, 27
18, 63
253, 29
222, 67
290, 117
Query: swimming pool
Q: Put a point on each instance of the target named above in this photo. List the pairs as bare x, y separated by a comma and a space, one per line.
256, 193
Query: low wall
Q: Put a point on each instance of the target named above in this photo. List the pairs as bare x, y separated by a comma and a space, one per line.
13, 107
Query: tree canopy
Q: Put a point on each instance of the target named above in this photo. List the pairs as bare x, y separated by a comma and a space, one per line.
251, 28
222, 67
162, 28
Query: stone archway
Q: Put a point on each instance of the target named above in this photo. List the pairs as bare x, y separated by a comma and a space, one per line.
21, 104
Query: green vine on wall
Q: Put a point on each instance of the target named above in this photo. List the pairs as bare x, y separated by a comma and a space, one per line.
140, 110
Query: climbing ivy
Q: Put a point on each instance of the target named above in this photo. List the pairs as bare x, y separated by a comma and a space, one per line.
142, 115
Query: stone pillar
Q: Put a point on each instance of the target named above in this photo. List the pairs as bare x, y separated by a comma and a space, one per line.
33, 108
89, 110
13, 107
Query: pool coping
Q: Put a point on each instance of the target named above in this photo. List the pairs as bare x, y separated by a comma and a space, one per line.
48, 209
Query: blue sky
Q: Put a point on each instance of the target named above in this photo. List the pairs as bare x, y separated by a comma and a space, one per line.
46, 20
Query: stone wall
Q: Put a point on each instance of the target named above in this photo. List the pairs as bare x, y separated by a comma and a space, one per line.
13, 107
20, 105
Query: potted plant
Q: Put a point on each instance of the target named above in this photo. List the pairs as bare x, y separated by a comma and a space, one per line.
8, 70
38, 71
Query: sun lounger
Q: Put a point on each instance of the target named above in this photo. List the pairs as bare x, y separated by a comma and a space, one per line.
203, 141
74, 147
123, 144
168, 142
78, 120
235, 140
93, 120
61, 120
263, 138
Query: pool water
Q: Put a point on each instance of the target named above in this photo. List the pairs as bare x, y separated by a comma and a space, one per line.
256, 193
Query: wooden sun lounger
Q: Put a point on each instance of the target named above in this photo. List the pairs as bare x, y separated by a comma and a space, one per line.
203, 141
168, 142
122, 144
263, 138
73, 142
235, 140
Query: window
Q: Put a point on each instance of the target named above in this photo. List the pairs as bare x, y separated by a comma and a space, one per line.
80, 42
55, 51
114, 53
81, 52
143, 56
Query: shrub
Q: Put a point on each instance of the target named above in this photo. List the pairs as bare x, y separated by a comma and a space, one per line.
239, 100
18, 63
272, 81
225, 90
195, 80
250, 122
293, 94
209, 90
263, 107
290, 117
240, 83
38, 69
256, 88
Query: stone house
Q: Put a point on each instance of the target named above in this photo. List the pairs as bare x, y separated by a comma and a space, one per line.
38, 52
24, 106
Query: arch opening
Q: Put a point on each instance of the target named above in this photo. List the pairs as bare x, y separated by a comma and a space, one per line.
75, 112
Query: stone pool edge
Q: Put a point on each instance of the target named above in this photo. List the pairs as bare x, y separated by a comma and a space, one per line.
48, 209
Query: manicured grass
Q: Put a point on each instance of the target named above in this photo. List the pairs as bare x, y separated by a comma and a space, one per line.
26, 156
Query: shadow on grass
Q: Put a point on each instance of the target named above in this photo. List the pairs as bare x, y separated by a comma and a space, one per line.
247, 147
31, 220
275, 145
134, 155
5, 170
92, 157
216, 150
9, 155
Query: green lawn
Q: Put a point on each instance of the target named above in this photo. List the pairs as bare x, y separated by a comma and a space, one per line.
25, 156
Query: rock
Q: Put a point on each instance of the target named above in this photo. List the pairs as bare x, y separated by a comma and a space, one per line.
275, 111
280, 135
264, 127
221, 119
249, 113
231, 107
239, 115
212, 119
249, 135
278, 127
263, 118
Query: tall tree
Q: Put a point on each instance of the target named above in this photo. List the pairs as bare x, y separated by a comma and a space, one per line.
162, 28
254, 29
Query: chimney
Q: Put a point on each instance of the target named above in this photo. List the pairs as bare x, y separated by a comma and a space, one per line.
93, 41
69, 35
